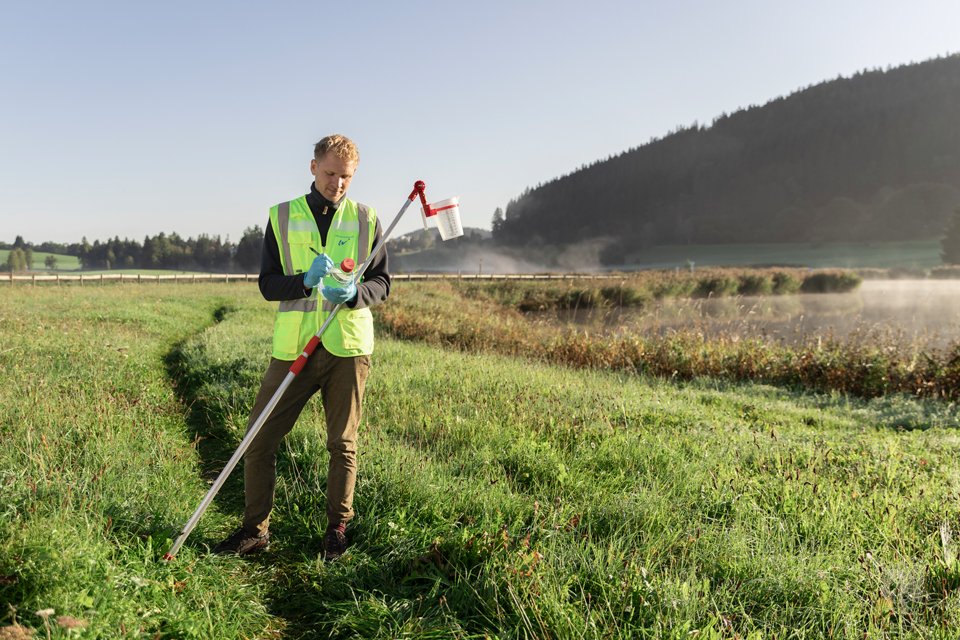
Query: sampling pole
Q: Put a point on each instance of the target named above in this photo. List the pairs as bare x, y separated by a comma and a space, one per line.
295, 368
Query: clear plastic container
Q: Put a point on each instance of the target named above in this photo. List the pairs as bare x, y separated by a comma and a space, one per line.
447, 213
343, 275
448, 218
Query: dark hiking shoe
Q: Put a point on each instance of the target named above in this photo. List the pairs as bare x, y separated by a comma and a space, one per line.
241, 543
335, 542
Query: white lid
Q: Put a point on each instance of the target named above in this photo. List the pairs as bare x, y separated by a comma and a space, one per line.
445, 203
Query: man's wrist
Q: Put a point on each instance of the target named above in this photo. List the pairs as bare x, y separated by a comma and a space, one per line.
306, 290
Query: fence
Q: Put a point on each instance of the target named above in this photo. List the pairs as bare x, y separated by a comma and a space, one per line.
102, 278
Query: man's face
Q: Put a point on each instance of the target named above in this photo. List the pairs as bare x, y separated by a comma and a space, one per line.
332, 175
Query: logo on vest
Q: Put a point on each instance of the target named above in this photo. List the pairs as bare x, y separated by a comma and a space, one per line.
342, 242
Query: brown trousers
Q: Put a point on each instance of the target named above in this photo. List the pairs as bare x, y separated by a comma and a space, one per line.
340, 382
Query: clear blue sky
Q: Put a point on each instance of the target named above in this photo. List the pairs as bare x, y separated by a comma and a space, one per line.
131, 118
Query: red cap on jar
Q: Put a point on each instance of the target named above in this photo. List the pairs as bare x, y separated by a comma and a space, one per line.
347, 265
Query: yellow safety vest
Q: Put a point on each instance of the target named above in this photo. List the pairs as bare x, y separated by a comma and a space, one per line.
350, 236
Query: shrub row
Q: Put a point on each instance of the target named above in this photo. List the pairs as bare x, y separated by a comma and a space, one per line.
444, 317
636, 290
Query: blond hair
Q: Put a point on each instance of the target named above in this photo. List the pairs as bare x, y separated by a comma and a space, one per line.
340, 146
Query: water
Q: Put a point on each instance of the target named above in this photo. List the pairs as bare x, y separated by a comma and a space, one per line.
918, 314
342, 277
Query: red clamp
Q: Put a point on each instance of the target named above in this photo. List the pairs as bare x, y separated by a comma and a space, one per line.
419, 188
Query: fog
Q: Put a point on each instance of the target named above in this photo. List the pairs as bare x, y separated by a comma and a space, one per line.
915, 314
469, 258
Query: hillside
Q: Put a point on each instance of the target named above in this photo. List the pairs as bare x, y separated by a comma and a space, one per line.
873, 157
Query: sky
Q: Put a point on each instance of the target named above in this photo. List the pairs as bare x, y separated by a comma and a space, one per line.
131, 118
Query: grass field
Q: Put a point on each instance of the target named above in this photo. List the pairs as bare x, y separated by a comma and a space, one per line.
497, 496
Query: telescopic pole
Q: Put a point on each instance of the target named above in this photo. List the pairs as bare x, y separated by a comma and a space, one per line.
295, 368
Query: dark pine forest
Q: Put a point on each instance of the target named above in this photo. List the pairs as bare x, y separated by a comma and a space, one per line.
868, 158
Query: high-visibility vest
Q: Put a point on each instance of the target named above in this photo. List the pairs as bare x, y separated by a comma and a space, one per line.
350, 236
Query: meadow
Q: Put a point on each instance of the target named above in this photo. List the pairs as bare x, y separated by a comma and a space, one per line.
502, 493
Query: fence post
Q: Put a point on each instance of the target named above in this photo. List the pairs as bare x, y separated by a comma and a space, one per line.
33, 279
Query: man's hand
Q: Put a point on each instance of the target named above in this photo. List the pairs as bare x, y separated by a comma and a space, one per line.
340, 295
319, 268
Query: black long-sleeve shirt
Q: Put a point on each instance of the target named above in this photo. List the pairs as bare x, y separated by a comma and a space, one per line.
275, 285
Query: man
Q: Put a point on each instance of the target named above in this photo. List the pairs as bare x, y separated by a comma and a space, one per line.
304, 239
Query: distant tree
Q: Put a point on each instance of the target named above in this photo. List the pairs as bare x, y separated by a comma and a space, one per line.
950, 244
19, 243
248, 249
497, 222
50, 262
149, 258
28, 257
16, 260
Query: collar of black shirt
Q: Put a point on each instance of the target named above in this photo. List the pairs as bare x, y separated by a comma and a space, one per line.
318, 204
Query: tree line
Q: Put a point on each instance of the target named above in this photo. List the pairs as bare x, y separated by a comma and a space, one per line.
205, 253
872, 157
162, 251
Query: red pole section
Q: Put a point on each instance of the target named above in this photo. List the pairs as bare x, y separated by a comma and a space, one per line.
308, 350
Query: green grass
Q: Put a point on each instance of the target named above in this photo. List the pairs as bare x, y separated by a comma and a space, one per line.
97, 465
496, 497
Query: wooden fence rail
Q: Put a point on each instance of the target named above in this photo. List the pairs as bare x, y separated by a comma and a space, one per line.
102, 278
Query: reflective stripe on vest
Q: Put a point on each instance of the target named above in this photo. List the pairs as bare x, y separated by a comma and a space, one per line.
283, 220
350, 235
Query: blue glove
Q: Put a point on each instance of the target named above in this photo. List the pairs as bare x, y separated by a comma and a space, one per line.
319, 268
340, 295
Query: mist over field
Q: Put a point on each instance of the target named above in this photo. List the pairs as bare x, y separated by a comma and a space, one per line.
914, 314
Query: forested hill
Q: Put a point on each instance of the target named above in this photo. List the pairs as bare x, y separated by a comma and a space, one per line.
872, 157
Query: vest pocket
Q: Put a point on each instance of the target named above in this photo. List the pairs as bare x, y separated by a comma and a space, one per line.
286, 335
356, 329
300, 253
